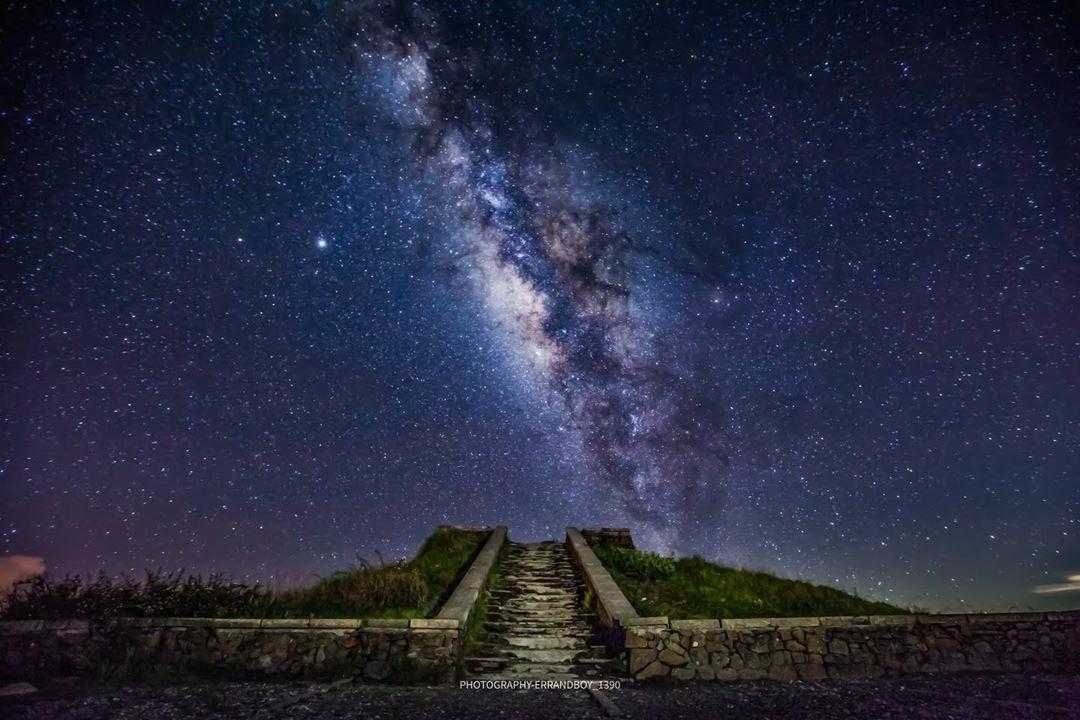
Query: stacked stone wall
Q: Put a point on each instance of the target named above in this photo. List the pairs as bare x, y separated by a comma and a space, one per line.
375, 650
850, 647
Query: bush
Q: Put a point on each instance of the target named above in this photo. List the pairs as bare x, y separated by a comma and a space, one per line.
159, 594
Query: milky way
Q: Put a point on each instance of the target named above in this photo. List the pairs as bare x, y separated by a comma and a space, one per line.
550, 261
789, 285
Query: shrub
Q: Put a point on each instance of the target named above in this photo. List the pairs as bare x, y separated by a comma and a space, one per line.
159, 594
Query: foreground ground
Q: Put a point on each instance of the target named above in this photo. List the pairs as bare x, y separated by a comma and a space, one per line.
962, 697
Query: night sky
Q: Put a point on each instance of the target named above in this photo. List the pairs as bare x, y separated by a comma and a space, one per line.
792, 286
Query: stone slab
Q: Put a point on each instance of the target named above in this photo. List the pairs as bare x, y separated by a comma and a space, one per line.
387, 623
639, 621
695, 625
435, 623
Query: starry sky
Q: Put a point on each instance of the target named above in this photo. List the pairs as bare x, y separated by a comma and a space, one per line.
793, 286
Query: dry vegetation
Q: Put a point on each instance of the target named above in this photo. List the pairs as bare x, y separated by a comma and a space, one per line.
412, 588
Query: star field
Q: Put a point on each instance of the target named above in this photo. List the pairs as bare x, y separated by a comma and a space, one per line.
791, 286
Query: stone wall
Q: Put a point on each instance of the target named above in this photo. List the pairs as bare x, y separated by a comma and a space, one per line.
417, 650
850, 647
375, 650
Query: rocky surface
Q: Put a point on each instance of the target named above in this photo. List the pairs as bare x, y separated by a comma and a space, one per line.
536, 625
959, 696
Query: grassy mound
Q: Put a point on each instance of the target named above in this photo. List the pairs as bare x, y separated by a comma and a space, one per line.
413, 588
691, 587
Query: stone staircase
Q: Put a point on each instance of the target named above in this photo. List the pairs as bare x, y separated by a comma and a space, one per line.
536, 626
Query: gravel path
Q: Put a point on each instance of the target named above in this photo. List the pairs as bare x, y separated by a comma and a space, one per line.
1012, 697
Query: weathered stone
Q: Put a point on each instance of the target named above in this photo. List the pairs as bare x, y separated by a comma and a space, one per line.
714, 642
815, 644
838, 647
675, 645
758, 662
639, 658
636, 639
669, 656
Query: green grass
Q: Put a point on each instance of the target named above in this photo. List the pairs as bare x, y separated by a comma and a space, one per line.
689, 588
474, 631
406, 589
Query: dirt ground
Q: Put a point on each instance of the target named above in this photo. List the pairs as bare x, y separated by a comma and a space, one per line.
1009, 697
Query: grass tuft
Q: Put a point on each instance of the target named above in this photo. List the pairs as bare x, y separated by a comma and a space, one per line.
691, 588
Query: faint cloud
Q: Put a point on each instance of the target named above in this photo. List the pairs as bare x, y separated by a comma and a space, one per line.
1071, 584
14, 568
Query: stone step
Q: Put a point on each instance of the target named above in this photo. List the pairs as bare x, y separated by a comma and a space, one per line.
520, 630
543, 642
510, 665
548, 614
565, 655
574, 656
520, 616
538, 584
503, 628
546, 671
539, 611
511, 677
509, 591
527, 620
